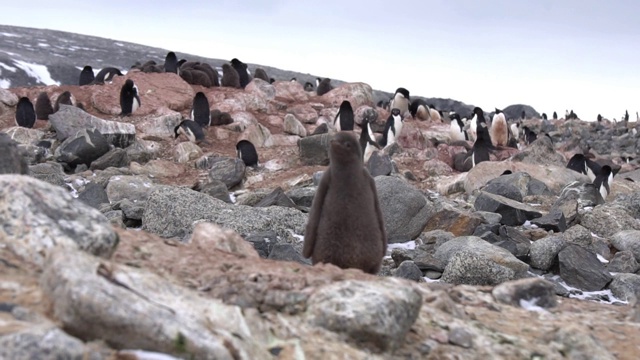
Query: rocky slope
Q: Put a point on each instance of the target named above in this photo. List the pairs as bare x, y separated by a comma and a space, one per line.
119, 241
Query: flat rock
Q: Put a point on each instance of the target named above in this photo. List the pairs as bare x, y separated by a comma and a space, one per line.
513, 213
523, 292
582, 269
69, 120
543, 252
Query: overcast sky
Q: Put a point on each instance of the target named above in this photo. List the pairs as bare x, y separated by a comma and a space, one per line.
551, 54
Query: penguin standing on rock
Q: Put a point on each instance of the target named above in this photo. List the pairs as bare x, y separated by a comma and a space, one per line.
25, 113
456, 128
367, 140
476, 120
66, 98
418, 109
191, 130
171, 63
603, 181
43, 106
555, 115
401, 100
344, 119
434, 114
243, 72
86, 76
200, 111
247, 153
106, 75
323, 86
393, 128
582, 164
499, 130
482, 145
129, 99
529, 135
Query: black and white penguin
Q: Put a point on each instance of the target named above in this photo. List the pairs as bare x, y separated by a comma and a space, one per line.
191, 130
401, 100
66, 98
482, 145
419, 109
626, 116
43, 106
599, 118
555, 115
129, 99
25, 113
243, 72
603, 181
344, 119
499, 131
434, 114
294, 79
529, 135
171, 63
247, 153
106, 75
544, 116
272, 80
476, 120
323, 86
308, 86
200, 111
456, 128
523, 116
515, 130
368, 142
393, 128
86, 76
582, 164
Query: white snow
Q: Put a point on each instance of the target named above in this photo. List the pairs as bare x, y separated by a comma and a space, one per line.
527, 224
39, 72
9, 34
5, 84
7, 67
426, 279
409, 245
43, 45
531, 305
576, 293
147, 355
602, 259
118, 44
9, 53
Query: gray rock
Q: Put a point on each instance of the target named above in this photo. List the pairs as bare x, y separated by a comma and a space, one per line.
82, 148
606, 220
379, 164
489, 217
461, 337
116, 218
302, 196
377, 314
186, 151
553, 221
576, 343
263, 242
404, 209
499, 187
623, 262
576, 195
626, 287
142, 151
317, 176
473, 261
532, 291
581, 268
93, 195
578, 235
314, 150
37, 216
437, 237
514, 241
40, 342
408, 270
13, 159
631, 202
8, 98
133, 211
24, 136
543, 252
228, 170
627, 240
513, 213
537, 187
293, 126
50, 172
134, 188
115, 157
286, 252
81, 287
172, 211
162, 126
276, 198
540, 152
217, 189
452, 219
69, 120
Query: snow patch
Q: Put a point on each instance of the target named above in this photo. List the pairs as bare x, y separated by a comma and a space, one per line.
118, 44
532, 305
39, 72
147, 355
601, 296
5, 84
602, 259
43, 45
409, 245
7, 67
9, 34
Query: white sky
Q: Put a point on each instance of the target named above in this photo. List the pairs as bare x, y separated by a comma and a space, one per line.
551, 54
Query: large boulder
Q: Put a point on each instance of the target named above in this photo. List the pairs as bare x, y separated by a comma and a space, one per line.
84, 147
13, 159
69, 120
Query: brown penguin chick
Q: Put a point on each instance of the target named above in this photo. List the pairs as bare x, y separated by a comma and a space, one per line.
230, 77
345, 226
499, 130
259, 73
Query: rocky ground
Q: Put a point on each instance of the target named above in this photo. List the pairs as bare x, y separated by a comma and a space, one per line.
121, 242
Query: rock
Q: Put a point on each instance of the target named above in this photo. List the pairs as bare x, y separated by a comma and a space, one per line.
435, 167
514, 241
261, 89
13, 160
408, 270
303, 112
131, 210
574, 196
543, 252
503, 189
38, 216
142, 151
50, 172
36, 341
358, 94
576, 343
228, 170
524, 292
258, 135
578, 235
606, 220
519, 180
69, 120
276, 198
293, 126
211, 236
314, 150
186, 151
376, 314
541, 152
132, 188
8, 98
93, 195
553, 221
23, 135
291, 91
217, 189
513, 213
172, 211
626, 287
286, 252
115, 157
404, 209
162, 126
82, 148
623, 262
302, 196
461, 337
263, 243
175, 320
456, 221
627, 240
473, 261
379, 164
582, 269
